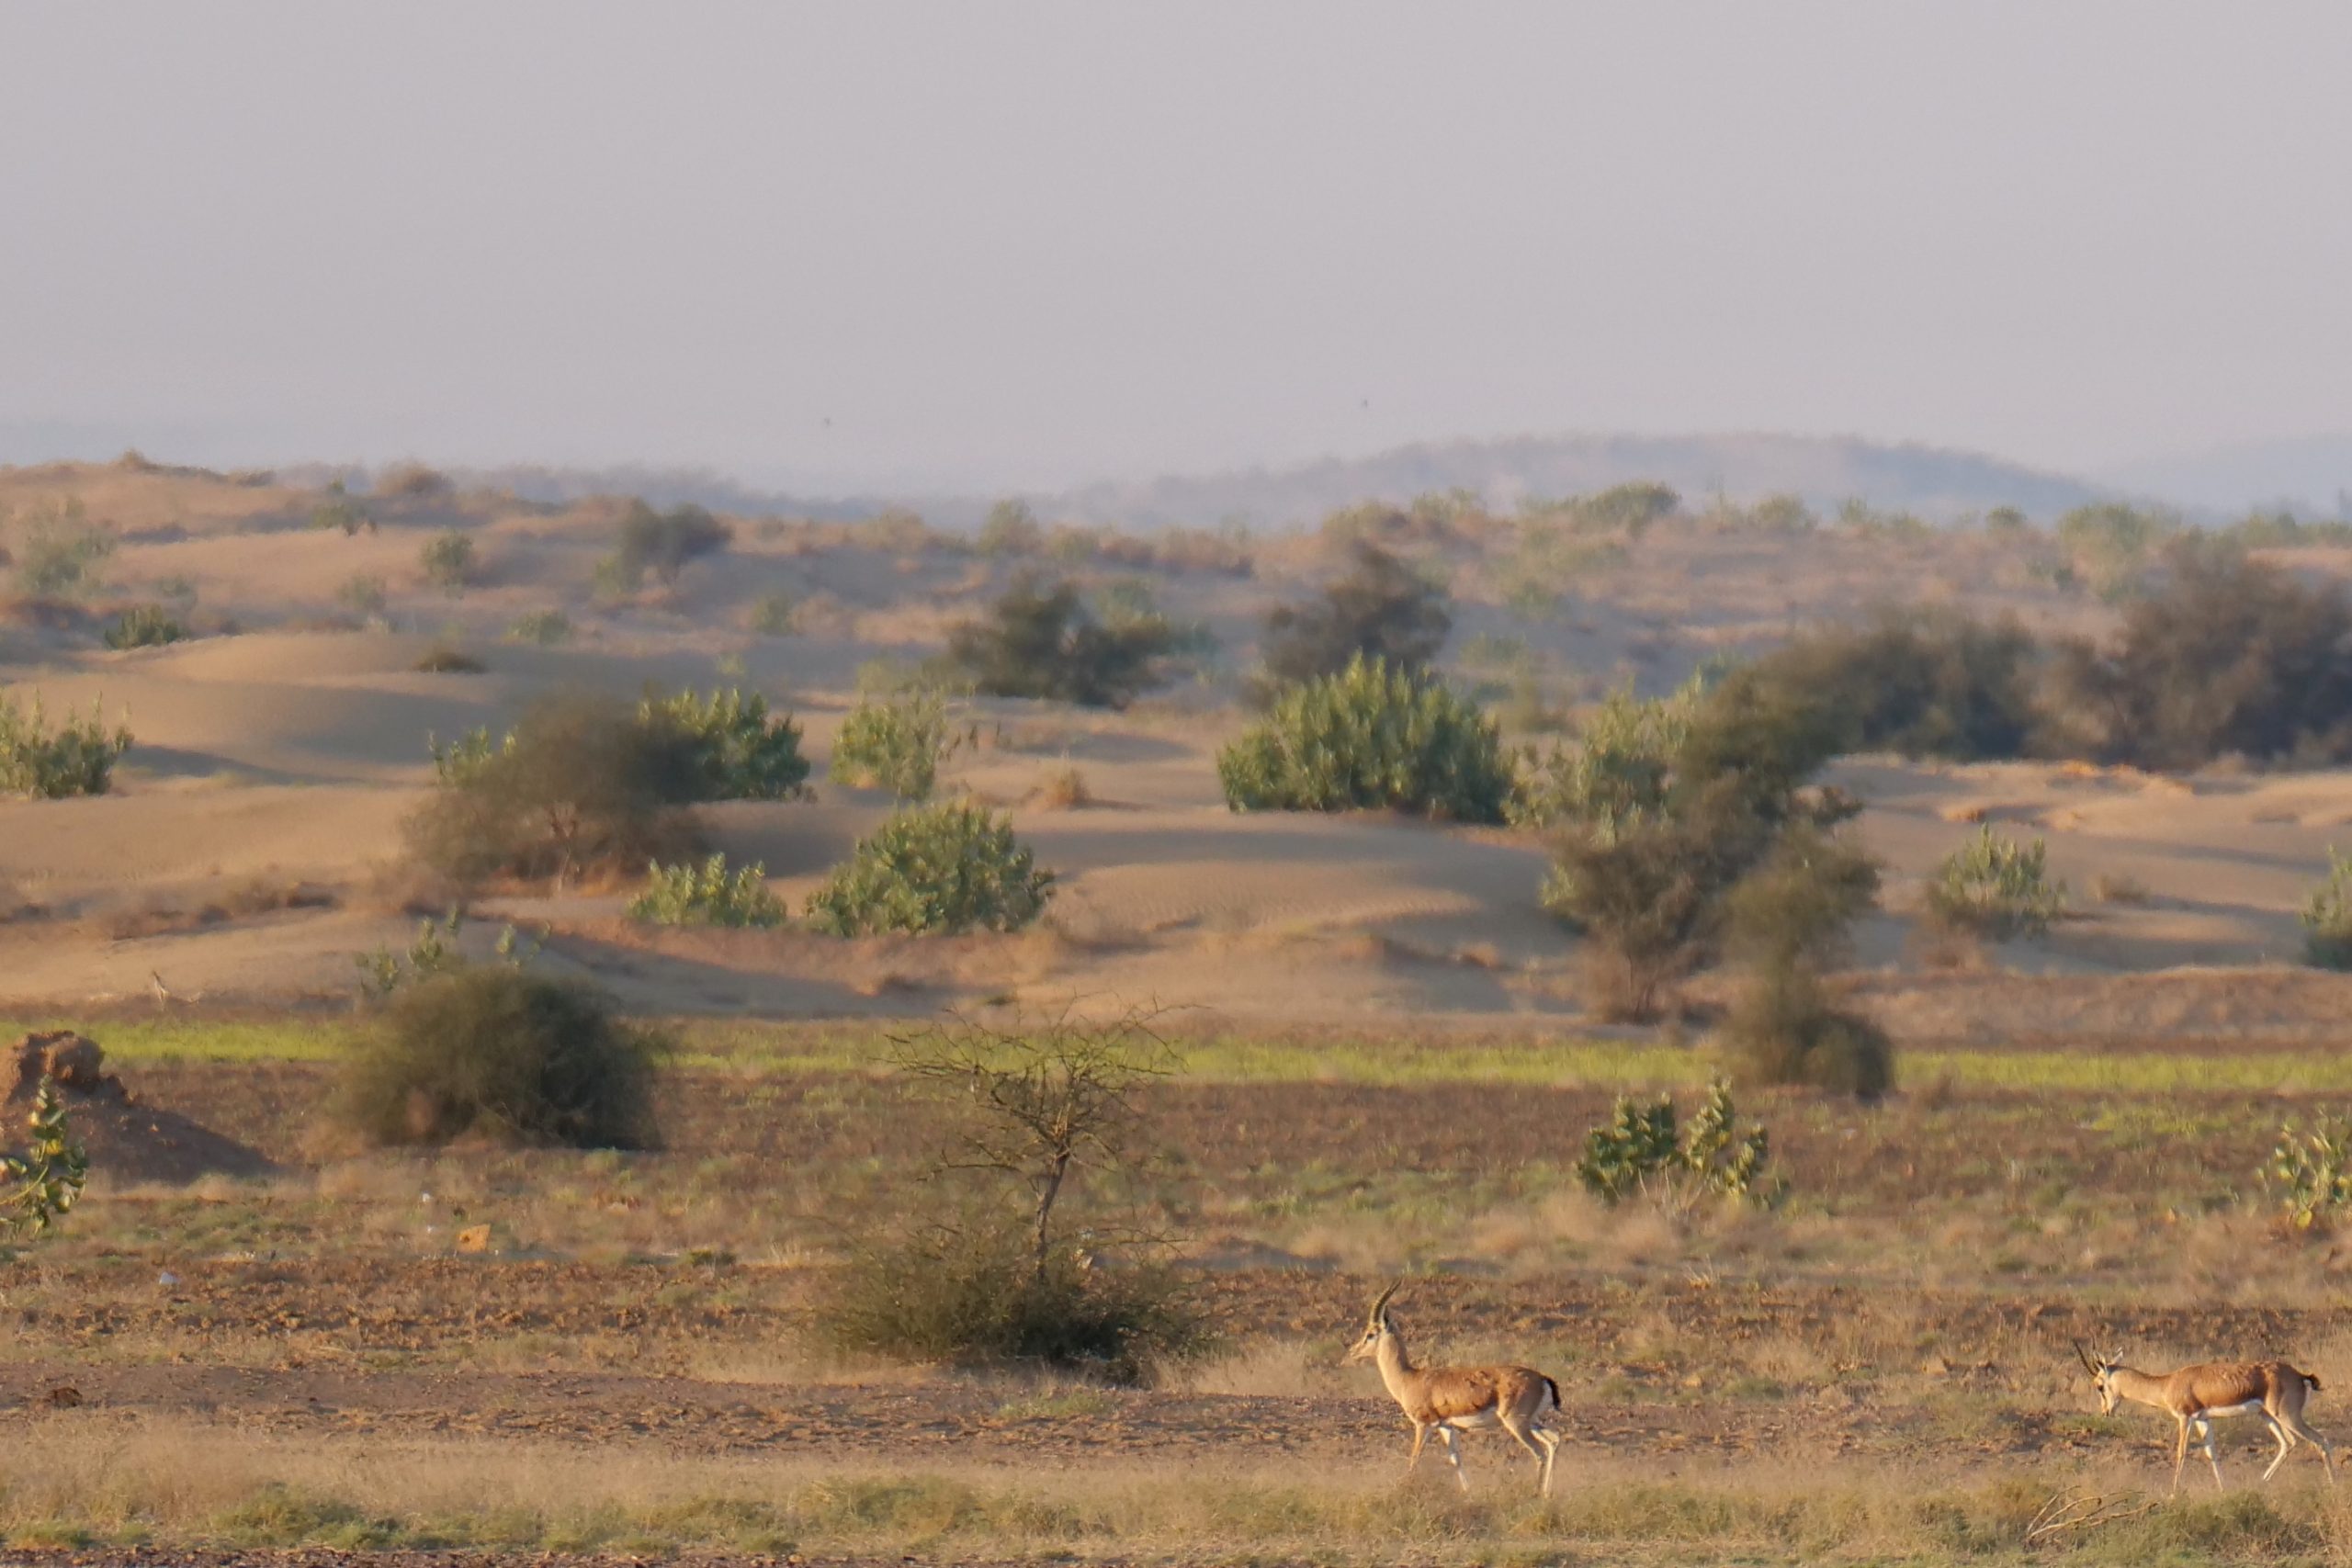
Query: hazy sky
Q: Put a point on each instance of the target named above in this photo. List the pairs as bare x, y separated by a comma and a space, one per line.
1014, 244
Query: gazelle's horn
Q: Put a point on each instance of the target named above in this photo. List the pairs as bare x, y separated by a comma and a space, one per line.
1381, 1305
2088, 1365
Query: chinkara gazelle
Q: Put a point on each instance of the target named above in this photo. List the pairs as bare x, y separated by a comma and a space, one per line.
2197, 1396
1446, 1400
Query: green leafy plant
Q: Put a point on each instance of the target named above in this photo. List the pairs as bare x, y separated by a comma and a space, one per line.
340, 511
775, 614
458, 762
61, 554
950, 867
1641, 1152
1380, 609
1371, 737
548, 629
1010, 530
143, 625
448, 561
362, 594
76, 758
38, 1187
897, 743
433, 951
2327, 916
1997, 888
741, 751
1615, 770
707, 894
1046, 643
2311, 1172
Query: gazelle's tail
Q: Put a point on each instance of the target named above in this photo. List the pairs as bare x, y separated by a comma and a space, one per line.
1557, 1405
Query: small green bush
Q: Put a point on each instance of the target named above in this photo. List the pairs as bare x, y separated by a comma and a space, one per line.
548, 629
1924, 681
775, 614
39, 1185
661, 544
1616, 770
143, 625
1641, 1152
2327, 917
948, 867
1370, 738
2311, 1172
707, 894
340, 512
1382, 609
1046, 643
1010, 530
490, 1051
448, 559
362, 594
897, 743
61, 554
741, 751
76, 758
1997, 889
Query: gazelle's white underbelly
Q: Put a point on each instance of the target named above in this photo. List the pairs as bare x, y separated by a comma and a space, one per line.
1471, 1422
2249, 1408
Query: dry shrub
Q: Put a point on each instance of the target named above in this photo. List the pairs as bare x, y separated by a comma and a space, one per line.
1382, 609
1064, 789
494, 1052
413, 481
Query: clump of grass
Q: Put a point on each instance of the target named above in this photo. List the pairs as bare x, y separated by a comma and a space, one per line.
144, 626
77, 758
1064, 789
362, 594
775, 615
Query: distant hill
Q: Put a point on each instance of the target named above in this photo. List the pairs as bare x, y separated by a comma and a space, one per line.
1933, 482
2311, 473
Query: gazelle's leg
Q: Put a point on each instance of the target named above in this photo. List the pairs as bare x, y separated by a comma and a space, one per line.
1517, 1427
2207, 1428
1420, 1436
2179, 1453
2286, 1440
2302, 1429
1453, 1452
1550, 1450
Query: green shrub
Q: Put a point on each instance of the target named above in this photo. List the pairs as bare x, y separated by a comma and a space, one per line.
1640, 1152
340, 512
1370, 738
61, 554
38, 1187
948, 867
1784, 1030
143, 625
490, 1051
707, 894
1790, 918
775, 615
76, 758
741, 753
581, 785
1923, 682
1615, 771
448, 559
1010, 530
2109, 544
1997, 889
362, 594
2311, 1172
1044, 643
546, 629
431, 950
1381, 610
897, 743
661, 543
2224, 656
2327, 917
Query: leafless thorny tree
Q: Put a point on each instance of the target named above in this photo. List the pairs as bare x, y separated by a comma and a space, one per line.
1045, 1098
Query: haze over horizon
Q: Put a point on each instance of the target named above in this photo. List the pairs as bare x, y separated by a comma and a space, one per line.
1032, 246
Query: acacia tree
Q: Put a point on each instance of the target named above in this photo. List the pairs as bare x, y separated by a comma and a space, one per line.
1042, 1101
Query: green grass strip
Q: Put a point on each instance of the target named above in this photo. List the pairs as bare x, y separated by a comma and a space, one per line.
782, 1047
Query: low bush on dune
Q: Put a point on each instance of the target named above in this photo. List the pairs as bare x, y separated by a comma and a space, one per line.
949, 867
1790, 922
1923, 680
448, 561
58, 555
660, 545
1045, 642
1995, 887
496, 1052
76, 758
2327, 916
1381, 610
143, 625
1371, 738
739, 749
897, 742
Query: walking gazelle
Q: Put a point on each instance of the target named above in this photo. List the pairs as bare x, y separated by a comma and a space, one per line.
2196, 1396
1446, 1400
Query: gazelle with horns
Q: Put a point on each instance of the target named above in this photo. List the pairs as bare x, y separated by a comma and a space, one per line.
2196, 1396
1446, 1400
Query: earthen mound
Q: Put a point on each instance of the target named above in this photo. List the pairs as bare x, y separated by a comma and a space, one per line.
129, 1141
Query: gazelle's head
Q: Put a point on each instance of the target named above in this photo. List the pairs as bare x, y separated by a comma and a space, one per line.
1375, 1328
2102, 1371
